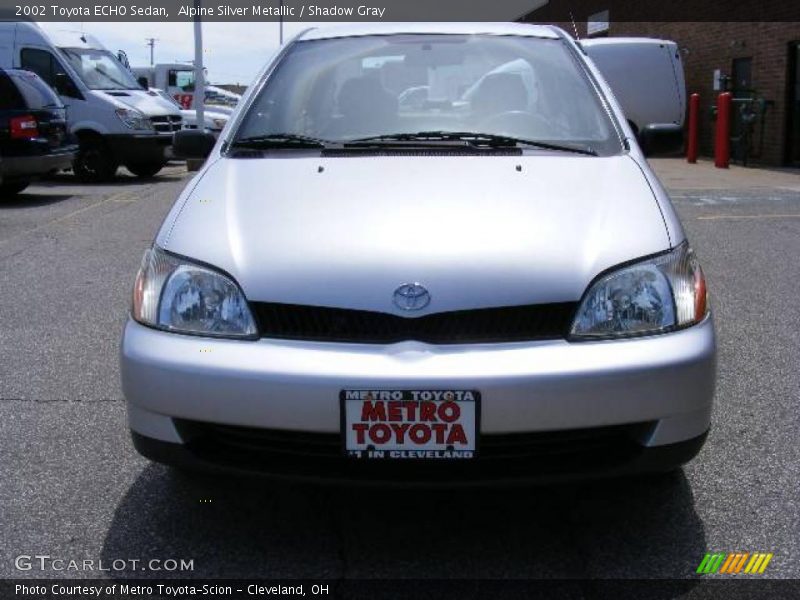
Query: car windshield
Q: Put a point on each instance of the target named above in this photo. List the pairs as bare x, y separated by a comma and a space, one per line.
408, 87
100, 70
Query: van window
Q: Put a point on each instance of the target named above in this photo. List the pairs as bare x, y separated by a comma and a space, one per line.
40, 62
352, 88
183, 79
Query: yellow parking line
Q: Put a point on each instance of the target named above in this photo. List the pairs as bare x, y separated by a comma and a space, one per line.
719, 217
122, 196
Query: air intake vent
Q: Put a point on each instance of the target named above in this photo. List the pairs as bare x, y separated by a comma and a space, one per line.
167, 123
467, 151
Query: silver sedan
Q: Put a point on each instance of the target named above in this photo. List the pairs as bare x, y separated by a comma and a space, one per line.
428, 253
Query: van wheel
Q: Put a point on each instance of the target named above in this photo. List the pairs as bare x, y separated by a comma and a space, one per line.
94, 162
145, 169
7, 190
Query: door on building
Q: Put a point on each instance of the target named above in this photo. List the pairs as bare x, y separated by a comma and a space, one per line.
793, 107
742, 91
742, 77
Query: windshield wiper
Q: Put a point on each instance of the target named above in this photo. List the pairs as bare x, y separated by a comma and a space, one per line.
489, 140
281, 140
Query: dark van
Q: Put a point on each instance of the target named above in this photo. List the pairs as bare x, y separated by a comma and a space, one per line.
34, 138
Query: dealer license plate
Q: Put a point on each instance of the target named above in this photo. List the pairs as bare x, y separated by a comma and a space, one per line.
410, 424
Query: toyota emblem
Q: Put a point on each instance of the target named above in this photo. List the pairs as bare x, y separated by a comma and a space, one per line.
411, 296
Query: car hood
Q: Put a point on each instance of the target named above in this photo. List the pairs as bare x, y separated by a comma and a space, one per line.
150, 104
475, 231
190, 117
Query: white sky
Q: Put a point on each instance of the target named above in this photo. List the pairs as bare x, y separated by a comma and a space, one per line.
234, 52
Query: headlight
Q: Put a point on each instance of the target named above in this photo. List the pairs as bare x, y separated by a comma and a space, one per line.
653, 296
133, 119
175, 294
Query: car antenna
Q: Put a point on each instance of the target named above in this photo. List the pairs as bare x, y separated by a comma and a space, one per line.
574, 27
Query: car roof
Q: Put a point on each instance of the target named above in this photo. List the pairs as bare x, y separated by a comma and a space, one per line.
616, 41
61, 38
361, 29
19, 73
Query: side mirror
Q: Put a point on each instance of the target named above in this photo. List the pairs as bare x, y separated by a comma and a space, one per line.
192, 144
122, 57
661, 140
142, 81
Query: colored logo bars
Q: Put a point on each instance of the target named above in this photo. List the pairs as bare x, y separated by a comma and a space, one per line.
734, 562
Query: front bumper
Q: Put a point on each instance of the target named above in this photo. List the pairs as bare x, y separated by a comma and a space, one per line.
140, 148
661, 386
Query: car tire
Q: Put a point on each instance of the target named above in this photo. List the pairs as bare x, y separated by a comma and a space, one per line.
94, 162
7, 190
145, 170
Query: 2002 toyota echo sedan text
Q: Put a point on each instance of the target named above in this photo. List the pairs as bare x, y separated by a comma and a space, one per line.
422, 253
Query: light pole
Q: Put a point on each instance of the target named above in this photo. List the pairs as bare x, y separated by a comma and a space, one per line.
280, 21
151, 42
199, 80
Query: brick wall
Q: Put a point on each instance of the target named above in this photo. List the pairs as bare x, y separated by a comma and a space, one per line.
713, 45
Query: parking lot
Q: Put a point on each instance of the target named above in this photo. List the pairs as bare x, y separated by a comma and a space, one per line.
74, 488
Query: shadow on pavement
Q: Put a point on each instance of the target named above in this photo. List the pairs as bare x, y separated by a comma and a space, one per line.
241, 528
27, 200
122, 178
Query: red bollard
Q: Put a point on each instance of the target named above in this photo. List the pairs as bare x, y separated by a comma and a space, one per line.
691, 142
722, 143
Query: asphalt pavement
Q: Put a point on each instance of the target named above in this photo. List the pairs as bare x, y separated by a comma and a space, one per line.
72, 487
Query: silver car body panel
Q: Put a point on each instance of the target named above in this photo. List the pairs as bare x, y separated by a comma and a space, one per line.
476, 28
473, 230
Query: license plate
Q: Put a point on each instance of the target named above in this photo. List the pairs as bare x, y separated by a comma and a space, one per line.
410, 424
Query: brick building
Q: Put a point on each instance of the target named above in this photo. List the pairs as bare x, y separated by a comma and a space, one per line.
752, 59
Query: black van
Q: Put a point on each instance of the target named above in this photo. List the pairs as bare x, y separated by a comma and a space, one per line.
34, 138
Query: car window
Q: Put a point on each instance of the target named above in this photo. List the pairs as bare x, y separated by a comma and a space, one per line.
37, 93
183, 79
10, 98
100, 70
40, 62
350, 88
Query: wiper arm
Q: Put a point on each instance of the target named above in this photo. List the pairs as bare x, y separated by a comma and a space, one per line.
474, 139
426, 138
281, 140
587, 150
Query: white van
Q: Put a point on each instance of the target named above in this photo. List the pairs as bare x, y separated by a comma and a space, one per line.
115, 120
177, 79
646, 77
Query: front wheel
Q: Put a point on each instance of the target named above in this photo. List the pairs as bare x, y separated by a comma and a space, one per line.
7, 190
145, 170
94, 162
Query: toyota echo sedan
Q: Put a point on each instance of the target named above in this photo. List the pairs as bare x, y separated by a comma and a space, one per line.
422, 253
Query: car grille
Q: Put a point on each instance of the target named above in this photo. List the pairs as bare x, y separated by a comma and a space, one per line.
500, 456
167, 123
485, 325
